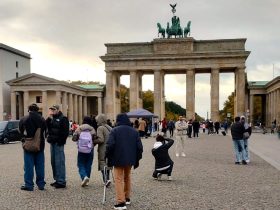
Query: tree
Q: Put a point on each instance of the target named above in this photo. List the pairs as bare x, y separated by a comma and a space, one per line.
228, 108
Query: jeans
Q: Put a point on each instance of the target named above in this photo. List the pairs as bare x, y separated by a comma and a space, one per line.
122, 183
84, 164
246, 147
239, 149
32, 160
58, 163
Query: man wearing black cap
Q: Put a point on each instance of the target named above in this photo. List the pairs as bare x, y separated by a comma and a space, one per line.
58, 130
28, 125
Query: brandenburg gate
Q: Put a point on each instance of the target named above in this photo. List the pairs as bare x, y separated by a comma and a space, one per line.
174, 56
179, 55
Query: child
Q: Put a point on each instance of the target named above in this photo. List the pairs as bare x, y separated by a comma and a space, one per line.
163, 162
84, 135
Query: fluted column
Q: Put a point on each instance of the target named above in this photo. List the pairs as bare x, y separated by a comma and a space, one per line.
75, 108
278, 106
251, 108
58, 98
162, 96
85, 111
133, 91
240, 91
80, 109
70, 104
25, 102
215, 82
20, 105
64, 104
190, 101
99, 104
157, 93
13, 105
45, 103
110, 95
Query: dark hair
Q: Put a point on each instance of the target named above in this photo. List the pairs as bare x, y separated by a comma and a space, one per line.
160, 138
33, 108
237, 119
87, 120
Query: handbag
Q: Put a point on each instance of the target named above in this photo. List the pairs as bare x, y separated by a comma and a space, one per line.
32, 144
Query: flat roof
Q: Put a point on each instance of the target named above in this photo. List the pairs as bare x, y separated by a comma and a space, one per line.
92, 86
258, 83
14, 51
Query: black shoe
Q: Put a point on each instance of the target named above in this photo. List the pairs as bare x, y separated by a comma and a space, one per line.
120, 206
57, 186
52, 184
23, 187
244, 162
41, 188
237, 163
127, 201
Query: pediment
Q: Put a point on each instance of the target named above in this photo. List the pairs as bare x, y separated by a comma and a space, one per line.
33, 79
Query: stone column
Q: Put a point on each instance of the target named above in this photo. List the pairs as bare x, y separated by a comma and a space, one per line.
240, 91
85, 111
75, 111
80, 109
58, 98
45, 103
133, 91
157, 94
278, 107
70, 104
268, 109
140, 97
190, 96
110, 95
162, 95
20, 105
13, 105
64, 104
215, 82
251, 108
25, 102
99, 104
273, 106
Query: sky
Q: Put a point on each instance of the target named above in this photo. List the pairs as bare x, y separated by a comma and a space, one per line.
66, 38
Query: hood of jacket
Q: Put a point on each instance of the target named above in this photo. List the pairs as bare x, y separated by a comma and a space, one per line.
122, 119
101, 119
84, 127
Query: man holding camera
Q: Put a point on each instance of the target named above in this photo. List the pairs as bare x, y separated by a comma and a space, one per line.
58, 130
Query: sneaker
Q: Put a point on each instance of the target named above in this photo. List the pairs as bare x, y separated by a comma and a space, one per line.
247, 161
85, 181
177, 154
169, 178
183, 154
244, 162
237, 163
120, 206
108, 183
127, 201
159, 176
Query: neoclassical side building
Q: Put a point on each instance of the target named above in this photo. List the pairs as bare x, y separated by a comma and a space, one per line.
75, 101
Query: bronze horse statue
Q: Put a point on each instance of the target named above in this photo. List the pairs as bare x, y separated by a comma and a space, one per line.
187, 30
161, 30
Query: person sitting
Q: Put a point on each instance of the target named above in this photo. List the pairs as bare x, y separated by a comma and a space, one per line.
163, 162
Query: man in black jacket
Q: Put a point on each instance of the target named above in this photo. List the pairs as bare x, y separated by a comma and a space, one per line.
28, 125
237, 131
58, 131
163, 164
124, 150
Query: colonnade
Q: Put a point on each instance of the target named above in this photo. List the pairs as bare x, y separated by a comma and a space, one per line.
72, 105
272, 106
135, 99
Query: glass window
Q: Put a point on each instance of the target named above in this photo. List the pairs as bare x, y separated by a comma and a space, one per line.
38, 99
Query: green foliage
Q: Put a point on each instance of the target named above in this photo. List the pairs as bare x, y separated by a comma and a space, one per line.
257, 115
228, 108
124, 93
148, 100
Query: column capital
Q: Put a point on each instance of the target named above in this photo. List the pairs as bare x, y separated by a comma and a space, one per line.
215, 68
240, 67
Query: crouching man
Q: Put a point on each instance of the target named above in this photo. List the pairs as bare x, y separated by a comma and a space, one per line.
163, 162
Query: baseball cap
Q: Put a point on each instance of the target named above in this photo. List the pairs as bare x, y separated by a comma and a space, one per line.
54, 107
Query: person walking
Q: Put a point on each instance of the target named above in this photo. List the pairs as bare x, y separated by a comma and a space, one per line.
163, 162
164, 126
57, 125
28, 126
103, 131
141, 128
190, 128
217, 127
124, 150
196, 126
246, 136
171, 127
84, 136
237, 131
180, 132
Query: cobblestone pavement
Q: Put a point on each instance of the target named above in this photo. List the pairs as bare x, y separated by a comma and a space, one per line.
206, 179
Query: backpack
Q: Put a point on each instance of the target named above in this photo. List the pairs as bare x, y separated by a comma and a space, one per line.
85, 142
